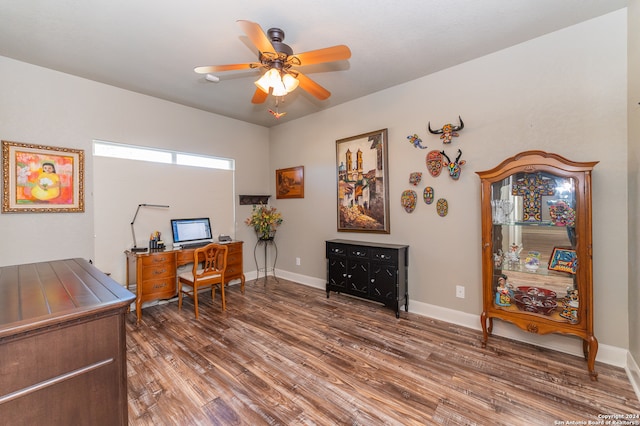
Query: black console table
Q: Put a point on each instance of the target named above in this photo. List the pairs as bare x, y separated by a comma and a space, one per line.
372, 271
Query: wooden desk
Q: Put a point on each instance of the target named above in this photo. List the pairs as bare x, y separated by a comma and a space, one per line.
155, 272
62, 345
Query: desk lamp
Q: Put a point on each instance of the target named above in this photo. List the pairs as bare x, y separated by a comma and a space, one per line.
135, 248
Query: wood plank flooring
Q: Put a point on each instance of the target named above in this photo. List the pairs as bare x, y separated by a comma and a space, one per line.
284, 354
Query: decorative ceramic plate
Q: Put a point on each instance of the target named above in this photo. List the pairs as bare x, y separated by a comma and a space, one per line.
408, 200
427, 195
442, 207
434, 162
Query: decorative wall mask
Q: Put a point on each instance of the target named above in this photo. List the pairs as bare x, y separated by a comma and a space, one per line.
415, 178
448, 131
442, 207
434, 163
453, 166
408, 200
416, 141
428, 194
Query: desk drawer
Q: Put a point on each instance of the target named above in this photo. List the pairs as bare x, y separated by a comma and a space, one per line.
158, 271
235, 247
232, 272
160, 286
234, 259
184, 257
158, 258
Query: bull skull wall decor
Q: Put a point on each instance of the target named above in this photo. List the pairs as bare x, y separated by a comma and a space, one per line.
454, 167
448, 131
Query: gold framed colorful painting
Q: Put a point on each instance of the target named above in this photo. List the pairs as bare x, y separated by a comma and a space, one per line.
363, 183
290, 182
42, 179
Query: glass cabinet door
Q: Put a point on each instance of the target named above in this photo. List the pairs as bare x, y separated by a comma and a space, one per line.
534, 245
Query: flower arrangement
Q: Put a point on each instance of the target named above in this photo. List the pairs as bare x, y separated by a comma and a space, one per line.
264, 220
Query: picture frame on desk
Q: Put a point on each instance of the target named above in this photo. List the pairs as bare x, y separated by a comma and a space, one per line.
42, 179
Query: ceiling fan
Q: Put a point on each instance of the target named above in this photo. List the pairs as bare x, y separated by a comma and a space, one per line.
279, 60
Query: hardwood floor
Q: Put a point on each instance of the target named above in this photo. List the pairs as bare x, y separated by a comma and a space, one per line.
284, 354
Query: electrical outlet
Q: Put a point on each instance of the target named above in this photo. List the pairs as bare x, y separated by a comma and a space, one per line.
460, 291
297, 261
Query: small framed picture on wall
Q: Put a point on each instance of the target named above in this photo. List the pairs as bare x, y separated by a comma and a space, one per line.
290, 182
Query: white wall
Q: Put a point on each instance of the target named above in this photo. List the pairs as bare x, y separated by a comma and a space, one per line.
634, 184
563, 93
40, 106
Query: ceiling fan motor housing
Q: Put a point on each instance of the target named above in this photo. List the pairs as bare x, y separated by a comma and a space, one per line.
277, 36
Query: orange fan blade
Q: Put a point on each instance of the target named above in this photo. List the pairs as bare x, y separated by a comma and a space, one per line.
259, 96
230, 67
257, 36
312, 87
329, 54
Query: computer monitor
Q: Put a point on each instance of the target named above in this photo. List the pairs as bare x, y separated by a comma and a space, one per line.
190, 230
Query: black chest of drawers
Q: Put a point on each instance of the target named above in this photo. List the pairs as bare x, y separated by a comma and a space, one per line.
372, 271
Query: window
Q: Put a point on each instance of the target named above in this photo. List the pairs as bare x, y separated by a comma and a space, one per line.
131, 152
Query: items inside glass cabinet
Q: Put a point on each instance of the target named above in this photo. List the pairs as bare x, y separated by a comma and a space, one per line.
534, 260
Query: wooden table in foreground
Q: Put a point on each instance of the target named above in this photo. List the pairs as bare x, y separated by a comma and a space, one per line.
62, 345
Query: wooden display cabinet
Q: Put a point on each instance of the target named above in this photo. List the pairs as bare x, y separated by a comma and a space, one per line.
537, 247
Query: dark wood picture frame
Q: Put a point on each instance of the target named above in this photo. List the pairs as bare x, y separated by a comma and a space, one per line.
42, 179
363, 183
290, 182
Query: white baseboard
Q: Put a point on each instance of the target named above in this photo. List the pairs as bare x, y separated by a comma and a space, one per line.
633, 371
607, 354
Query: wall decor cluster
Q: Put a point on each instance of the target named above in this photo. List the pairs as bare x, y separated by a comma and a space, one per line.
42, 179
363, 183
290, 182
436, 161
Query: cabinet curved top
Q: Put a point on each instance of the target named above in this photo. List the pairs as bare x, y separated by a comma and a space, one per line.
531, 159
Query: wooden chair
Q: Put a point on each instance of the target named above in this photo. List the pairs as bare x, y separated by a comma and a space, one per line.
209, 264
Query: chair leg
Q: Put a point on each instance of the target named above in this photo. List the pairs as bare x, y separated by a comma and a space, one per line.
224, 304
195, 300
179, 295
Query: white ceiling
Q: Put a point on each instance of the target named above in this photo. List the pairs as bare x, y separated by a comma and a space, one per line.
152, 46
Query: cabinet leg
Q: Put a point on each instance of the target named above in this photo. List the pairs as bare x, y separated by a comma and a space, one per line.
590, 348
486, 329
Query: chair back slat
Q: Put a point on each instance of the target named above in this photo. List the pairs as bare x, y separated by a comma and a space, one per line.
209, 260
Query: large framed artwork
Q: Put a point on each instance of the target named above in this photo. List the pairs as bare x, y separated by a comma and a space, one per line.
42, 179
363, 183
290, 182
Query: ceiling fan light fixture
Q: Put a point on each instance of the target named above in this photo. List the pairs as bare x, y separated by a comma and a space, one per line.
281, 84
290, 82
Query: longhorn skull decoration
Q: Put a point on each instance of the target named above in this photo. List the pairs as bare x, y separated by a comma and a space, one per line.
448, 131
454, 167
